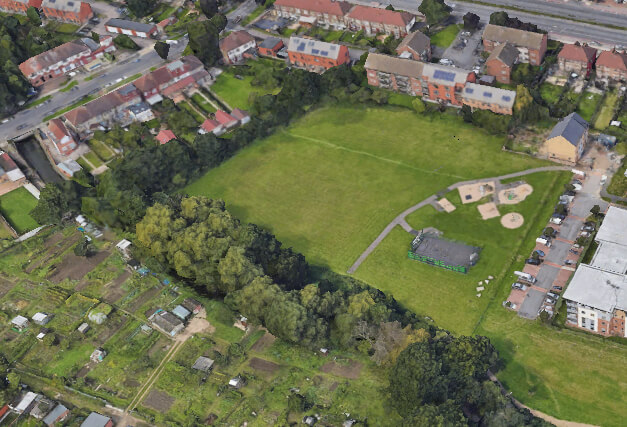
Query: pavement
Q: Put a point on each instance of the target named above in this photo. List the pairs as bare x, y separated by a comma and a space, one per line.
33, 117
555, 26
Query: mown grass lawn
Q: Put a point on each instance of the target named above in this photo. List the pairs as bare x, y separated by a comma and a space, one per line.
15, 206
331, 182
445, 37
607, 110
236, 92
588, 105
202, 103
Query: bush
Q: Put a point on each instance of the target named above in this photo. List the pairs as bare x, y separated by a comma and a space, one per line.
123, 41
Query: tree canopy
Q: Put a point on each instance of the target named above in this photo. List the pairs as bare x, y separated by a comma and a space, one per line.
162, 49
434, 10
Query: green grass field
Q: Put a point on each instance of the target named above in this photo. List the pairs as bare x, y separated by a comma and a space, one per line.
445, 37
16, 206
202, 103
588, 105
236, 92
331, 182
93, 159
607, 110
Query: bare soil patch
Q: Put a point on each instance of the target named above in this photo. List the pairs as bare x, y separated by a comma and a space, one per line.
61, 246
264, 365
488, 210
264, 342
132, 383
350, 371
5, 286
82, 373
111, 330
334, 386
159, 401
140, 300
114, 291
75, 268
512, 220
471, 193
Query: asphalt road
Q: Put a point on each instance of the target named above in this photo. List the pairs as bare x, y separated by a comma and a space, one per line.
28, 119
556, 27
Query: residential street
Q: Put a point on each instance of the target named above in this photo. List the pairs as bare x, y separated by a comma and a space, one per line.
143, 61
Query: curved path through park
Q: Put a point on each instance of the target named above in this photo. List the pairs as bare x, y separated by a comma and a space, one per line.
400, 219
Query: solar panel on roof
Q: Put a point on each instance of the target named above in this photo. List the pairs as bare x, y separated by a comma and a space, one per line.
487, 94
324, 53
469, 90
301, 47
507, 98
444, 75
333, 47
311, 43
315, 51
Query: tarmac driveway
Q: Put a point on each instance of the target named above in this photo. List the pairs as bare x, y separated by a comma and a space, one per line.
546, 276
531, 304
569, 229
558, 252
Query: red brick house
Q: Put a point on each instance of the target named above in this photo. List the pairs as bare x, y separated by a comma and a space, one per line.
18, 6
62, 59
445, 84
416, 45
612, 65
577, 58
165, 136
61, 137
327, 13
373, 20
76, 12
316, 56
237, 46
270, 46
501, 61
397, 74
531, 46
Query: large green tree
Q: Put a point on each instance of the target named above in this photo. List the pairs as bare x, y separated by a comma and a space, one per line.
435, 11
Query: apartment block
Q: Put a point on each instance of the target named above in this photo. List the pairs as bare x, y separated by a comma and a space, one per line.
531, 46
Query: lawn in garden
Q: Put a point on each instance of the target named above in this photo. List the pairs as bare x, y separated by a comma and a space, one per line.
15, 206
588, 105
236, 91
607, 110
551, 93
445, 37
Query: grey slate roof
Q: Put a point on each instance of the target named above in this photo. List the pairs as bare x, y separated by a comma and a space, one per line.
313, 47
416, 41
95, 420
571, 127
489, 94
54, 414
129, 25
269, 42
506, 53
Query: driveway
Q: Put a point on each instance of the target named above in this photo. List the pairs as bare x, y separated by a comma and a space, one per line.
558, 252
570, 228
531, 304
466, 57
546, 276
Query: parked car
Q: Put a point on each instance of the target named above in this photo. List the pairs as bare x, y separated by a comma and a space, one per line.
573, 251
558, 215
587, 228
539, 252
520, 286
553, 295
570, 262
533, 261
557, 288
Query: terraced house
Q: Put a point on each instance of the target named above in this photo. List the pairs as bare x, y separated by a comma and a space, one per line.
577, 58
18, 6
76, 12
372, 20
531, 46
327, 13
316, 56
612, 65
62, 59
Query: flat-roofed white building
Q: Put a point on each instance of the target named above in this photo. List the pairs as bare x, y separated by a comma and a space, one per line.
596, 298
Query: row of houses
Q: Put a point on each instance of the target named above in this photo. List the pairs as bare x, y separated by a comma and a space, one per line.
581, 59
596, 297
61, 60
223, 121
72, 11
341, 15
38, 406
437, 83
127, 104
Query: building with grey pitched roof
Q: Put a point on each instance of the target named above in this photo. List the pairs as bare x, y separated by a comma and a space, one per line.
567, 140
501, 61
130, 28
58, 414
596, 297
531, 46
416, 45
489, 98
96, 420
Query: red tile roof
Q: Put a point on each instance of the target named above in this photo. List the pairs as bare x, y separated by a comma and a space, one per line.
380, 16
235, 40
58, 129
613, 59
165, 135
53, 56
578, 52
209, 125
338, 8
224, 117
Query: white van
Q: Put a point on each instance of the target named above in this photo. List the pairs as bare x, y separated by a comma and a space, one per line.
543, 241
556, 221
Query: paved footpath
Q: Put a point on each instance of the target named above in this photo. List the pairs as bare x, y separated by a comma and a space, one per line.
400, 219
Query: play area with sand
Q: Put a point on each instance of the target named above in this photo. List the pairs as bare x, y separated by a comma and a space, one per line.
471, 193
446, 205
488, 210
515, 194
512, 220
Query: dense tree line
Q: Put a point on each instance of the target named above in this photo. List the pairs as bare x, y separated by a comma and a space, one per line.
502, 18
